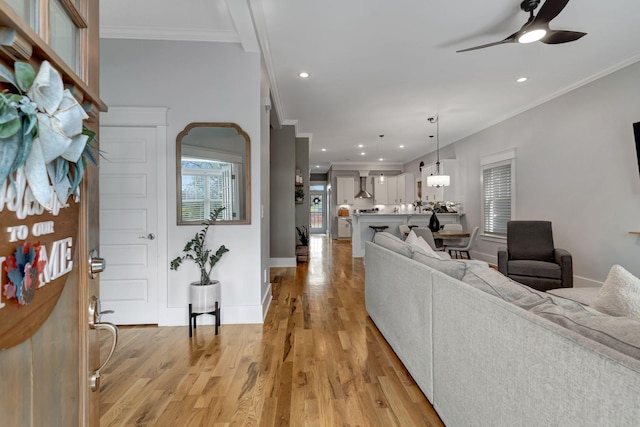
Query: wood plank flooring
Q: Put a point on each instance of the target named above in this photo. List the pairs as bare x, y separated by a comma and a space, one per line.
318, 360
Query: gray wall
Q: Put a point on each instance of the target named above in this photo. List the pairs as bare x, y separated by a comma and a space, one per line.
575, 166
283, 165
302, 163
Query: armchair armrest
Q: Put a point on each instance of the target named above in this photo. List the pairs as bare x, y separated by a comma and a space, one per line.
564, 259
503, 257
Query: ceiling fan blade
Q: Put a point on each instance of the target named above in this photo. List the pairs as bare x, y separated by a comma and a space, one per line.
510, 39
549, 10
561, 36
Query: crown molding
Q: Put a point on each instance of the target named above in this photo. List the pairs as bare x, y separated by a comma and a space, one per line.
243, 22
179, 34
259, 23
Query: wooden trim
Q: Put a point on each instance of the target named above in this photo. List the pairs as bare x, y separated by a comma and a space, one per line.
247, 189
42, 51
75, 15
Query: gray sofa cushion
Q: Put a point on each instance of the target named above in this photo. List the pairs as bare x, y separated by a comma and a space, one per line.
393, 243
453, 268
497, 284
620, 333
533, 268
584, 296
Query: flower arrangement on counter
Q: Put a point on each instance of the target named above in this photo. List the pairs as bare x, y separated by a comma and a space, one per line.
437, 207
42, 137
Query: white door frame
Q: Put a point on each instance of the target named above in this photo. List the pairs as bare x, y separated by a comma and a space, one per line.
151, 117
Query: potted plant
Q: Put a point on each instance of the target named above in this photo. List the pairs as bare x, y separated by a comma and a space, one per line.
204, 293
299, 195
302, 250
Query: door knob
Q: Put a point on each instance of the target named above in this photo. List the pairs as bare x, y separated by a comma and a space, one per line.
94, 323
149, 236
96, 264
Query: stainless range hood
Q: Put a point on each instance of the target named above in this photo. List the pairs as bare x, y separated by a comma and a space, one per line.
363, 194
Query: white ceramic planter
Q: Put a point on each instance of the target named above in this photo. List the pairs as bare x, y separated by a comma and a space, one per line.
203, 298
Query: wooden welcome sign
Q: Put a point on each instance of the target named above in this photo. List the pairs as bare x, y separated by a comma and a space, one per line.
36, 255
44, 150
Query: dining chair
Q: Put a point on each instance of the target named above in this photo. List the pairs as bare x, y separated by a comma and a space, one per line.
426, 234
459, 250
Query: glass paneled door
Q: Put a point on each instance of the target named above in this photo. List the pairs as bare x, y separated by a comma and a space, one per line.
317, 212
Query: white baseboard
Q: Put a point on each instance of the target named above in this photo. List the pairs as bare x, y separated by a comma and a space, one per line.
283, 262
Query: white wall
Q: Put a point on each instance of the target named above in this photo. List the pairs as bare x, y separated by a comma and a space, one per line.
198, 82
576, 166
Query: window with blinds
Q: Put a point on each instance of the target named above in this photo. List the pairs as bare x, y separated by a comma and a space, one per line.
497, 197
206, 186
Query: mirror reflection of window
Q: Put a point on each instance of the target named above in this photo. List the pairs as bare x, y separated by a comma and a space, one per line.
213, 172
207, 185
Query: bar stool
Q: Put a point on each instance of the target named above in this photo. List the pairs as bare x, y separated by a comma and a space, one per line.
377, 228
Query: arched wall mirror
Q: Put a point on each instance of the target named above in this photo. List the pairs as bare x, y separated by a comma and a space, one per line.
213, 170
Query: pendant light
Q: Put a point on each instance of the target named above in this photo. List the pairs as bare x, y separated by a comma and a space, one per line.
381, 173
437, 180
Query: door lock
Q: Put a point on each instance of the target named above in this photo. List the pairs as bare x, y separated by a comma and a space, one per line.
96, 264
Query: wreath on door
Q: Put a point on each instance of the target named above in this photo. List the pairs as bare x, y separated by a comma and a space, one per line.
316, 200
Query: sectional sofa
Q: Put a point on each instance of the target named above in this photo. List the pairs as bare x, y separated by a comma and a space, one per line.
487, 351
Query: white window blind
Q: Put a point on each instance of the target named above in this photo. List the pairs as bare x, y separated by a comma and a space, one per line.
496, 198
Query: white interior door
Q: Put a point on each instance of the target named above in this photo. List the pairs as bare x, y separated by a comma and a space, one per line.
129, 224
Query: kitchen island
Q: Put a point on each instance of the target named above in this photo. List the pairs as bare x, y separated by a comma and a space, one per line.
360, 231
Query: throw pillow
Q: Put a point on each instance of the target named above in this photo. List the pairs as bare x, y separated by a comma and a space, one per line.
391, 242
620, 294
419, 244
455, 269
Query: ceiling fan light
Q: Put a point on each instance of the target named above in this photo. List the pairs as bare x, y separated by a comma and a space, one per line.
532, 35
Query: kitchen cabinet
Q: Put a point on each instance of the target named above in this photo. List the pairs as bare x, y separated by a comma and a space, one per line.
392, 190
406, 188
380, 194
395, 189
345, 190
344, 228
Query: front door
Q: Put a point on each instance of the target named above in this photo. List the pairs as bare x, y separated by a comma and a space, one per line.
317, 212
129, 224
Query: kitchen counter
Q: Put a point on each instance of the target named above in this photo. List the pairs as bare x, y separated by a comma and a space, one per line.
361, 232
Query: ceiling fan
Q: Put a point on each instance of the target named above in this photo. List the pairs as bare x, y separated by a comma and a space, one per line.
537, 26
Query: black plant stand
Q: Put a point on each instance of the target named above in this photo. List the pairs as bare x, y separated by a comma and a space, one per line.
193, 316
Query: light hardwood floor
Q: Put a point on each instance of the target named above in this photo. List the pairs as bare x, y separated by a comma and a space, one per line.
318, 360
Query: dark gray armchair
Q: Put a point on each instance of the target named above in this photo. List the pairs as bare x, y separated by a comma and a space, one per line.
530, 257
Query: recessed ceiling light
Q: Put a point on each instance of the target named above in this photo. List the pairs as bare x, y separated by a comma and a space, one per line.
363, 153
324, 149
402, 146
303, 75
317, 166
381, 159
360, 145
521, 79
